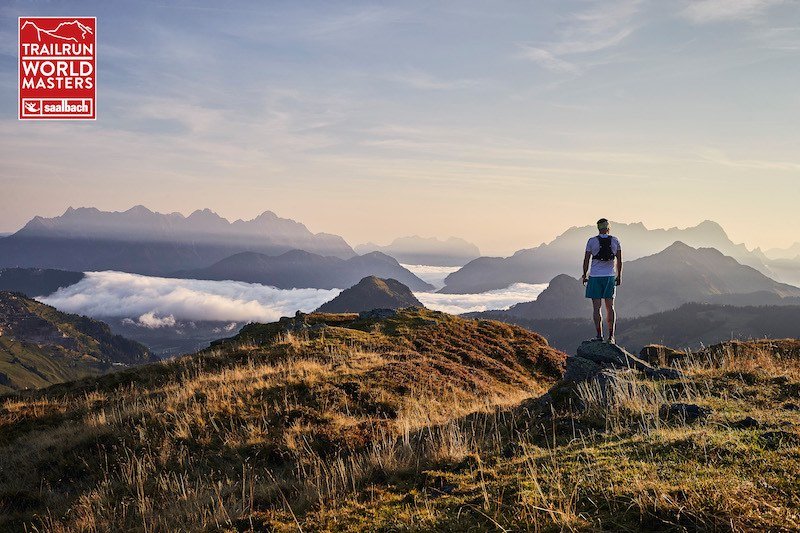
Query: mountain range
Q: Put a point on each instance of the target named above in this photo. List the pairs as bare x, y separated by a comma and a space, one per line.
416, 250
690, 326
564, 255
371, 293
792, 252
40, 346
678, 274
299, 269
145, 242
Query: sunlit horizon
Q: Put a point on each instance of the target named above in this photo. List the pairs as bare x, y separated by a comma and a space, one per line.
504, 127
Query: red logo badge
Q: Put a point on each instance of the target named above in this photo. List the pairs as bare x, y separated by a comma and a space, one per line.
57, 68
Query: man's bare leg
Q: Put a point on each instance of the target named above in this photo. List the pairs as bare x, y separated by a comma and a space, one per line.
598, 319
611, 317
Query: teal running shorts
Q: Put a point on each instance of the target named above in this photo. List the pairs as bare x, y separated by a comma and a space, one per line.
601, 287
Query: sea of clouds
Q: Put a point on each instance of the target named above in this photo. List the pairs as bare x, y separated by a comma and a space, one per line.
432, 274
154, 302
484, 301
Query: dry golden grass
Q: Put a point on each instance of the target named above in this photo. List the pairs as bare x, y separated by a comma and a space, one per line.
611, 465
424, 422
273, 419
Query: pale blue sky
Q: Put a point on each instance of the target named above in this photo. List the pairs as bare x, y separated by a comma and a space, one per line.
500, 122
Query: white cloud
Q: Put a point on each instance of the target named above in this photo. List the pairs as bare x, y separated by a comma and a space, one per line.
592, 30
119, 294
547, 59
496, 299
418, 79
151, 321
432, 274
152, 302
227, 329
704, 11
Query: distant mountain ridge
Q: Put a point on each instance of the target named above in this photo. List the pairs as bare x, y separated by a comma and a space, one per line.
563, 255
145, 242
40, 346
301, 269
792, 252
416, 250
679, 274
34, 282
371, 293
692, 326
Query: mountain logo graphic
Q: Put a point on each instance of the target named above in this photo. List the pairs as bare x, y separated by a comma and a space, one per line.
30, 107
63, 31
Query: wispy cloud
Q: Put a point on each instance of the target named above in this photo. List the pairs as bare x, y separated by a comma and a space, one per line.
546, 59
418, 79
719, 157
584, 32
705, 11
346, 23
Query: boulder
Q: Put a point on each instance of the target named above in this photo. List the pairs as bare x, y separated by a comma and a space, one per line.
377, 314
683, 412
602, 362
610, 355
660, 355
580, 369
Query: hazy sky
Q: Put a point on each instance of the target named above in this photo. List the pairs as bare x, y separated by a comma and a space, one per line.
500, 122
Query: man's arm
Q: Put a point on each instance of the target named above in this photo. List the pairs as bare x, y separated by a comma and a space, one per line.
619, 266
586, 258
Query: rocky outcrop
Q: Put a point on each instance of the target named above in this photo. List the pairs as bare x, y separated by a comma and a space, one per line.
660, 355
608, 355
601, 361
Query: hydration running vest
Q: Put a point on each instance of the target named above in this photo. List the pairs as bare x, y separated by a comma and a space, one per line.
605, 253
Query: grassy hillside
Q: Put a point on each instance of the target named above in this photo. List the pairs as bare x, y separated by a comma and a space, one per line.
614, 463
418, 421
40, 345
303, 411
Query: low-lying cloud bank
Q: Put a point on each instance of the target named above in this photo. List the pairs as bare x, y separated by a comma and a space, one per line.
153, 302
496, 299
432, 274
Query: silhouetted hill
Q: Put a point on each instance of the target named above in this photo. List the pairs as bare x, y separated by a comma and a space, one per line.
786, 269
371, 293
34, 282
791, 252
298, 269
677, 275
143, 242
418, 250
691, 325
40, 346
564, 254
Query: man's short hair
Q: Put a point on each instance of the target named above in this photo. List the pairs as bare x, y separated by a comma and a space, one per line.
602, 221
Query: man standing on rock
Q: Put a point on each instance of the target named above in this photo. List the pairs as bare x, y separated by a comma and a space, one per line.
604, 251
